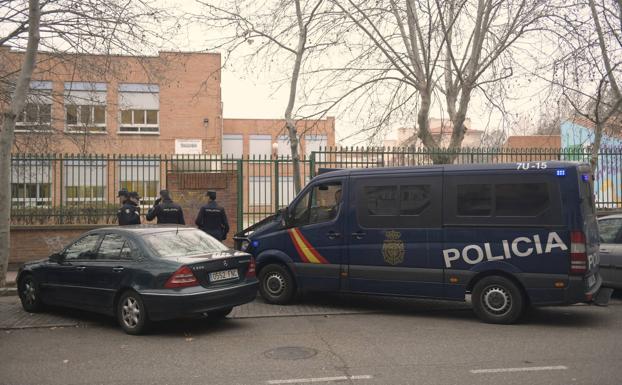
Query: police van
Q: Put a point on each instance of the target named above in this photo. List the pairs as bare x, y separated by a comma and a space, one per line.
510, 235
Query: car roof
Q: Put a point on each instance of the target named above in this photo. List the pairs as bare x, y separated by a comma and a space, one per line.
141, 230
442, 167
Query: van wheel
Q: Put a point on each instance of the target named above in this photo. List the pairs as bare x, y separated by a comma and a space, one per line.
276, 284
497, 300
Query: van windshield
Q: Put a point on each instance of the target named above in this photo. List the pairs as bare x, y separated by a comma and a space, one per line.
173, 244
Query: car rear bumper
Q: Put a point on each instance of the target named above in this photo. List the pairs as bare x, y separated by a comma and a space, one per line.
167, 304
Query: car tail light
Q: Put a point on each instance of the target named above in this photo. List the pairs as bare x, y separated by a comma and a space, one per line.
578, 254
250, 273
183, 277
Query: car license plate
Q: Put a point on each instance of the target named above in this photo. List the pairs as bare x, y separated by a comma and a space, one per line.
223, 275
591, 280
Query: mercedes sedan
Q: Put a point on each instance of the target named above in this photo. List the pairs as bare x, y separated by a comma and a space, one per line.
141, 274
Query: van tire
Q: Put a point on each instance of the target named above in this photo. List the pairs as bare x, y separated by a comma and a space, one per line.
276, 284
497, 300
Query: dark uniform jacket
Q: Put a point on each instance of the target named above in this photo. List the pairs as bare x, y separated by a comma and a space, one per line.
128, 214
166, 212
213, 220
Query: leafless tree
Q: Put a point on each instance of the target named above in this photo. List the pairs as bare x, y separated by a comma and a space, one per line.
288, 32
588, 70
61, 28
436, 54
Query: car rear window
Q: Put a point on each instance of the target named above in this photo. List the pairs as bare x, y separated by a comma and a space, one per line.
183, 243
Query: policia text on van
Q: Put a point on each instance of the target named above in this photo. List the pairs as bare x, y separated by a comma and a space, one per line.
512, 235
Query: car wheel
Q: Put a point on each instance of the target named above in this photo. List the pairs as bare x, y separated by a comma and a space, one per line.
276, 284
497, 300
131, 313
30, 294
219, 314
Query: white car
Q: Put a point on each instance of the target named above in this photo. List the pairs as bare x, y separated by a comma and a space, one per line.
610, 228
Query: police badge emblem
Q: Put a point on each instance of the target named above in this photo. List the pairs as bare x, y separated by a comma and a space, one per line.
393, 248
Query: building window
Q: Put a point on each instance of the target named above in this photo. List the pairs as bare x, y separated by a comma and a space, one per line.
260, 145
233, 146
141, 176
85, 107
284, 146
260, 190
85, 180
139, 106
30, 183
287, 191
314, 143
37, 113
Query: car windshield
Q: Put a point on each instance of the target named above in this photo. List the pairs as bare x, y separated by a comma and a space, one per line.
183, 243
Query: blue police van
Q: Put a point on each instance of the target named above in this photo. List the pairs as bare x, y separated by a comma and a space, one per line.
510, 235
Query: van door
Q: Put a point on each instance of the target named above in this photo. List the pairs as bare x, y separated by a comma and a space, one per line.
395, 234
316, 227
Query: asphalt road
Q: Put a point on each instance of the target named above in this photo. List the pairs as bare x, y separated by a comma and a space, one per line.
420, 344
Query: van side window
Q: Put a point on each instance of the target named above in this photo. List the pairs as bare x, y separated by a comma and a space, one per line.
414, 199
493, 200
474, 199
381, 200
397, 202
521, 199
322, 203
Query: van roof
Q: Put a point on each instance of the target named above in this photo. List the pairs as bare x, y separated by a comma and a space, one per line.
448, 167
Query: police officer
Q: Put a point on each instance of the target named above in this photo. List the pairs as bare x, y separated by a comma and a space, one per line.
166, 210
128, 214
212, 218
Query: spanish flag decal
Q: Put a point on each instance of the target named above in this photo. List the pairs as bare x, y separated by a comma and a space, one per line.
306, 252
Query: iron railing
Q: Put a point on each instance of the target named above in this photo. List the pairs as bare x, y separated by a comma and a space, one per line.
80, 189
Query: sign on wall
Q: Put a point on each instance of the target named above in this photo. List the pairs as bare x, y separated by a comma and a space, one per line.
188, 146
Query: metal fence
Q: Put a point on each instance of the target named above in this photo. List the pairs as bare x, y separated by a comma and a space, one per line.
80, 189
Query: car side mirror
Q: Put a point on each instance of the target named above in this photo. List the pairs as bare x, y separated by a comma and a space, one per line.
56, 257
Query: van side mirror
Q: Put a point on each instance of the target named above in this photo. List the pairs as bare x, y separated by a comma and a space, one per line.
56, 257
285, 217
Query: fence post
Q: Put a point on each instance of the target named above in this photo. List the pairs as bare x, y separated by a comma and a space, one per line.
276, 185
240, 196
312, 165
62, 184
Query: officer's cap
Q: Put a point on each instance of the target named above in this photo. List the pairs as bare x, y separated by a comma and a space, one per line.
123, 193
211, 194
134, 194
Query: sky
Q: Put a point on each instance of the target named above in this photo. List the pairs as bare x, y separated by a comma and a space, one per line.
259, 92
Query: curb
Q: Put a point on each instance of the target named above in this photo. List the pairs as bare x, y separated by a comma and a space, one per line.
8, 291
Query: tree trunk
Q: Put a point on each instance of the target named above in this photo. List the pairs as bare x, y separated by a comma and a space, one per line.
289, 121
598, 136
424, 133
6, 135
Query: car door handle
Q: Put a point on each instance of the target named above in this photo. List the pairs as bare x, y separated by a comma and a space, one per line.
333, 235
118, 269
358, 235
80, 268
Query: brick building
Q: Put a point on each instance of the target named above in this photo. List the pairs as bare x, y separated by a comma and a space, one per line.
123, 121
